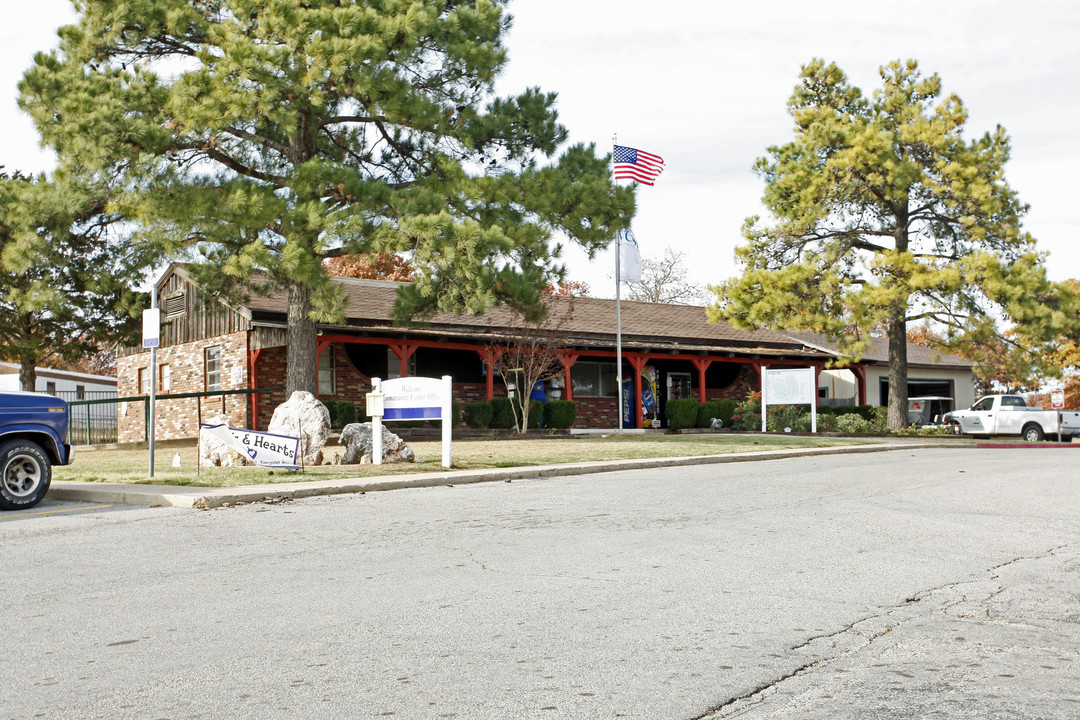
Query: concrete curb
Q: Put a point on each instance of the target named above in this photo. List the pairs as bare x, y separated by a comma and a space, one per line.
207, 498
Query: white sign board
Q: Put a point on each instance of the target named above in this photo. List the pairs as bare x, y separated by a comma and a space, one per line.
1057, 399
261, 448
793, 386
151, 327
413, 398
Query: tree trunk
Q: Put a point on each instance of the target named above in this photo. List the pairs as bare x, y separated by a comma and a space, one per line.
898, 372
28, 374
301, 341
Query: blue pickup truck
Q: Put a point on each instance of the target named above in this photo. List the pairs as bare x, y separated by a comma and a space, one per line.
33, 438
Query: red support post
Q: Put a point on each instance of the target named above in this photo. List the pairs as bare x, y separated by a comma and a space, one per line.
404, 351
567, 360
638, 363
702, 364
253, 384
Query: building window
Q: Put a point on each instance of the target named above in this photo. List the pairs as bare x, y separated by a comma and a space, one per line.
165, 377
80, 392
213, 368
594, 379
144, 381
327, 373
50, 387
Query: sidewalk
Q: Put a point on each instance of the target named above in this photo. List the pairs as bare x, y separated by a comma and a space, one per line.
206, 498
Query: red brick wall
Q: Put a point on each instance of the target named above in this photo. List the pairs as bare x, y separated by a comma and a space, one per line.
179, 418
747, 380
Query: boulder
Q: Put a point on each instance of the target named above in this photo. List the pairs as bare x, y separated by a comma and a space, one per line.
356, 439
213, 451
303, 416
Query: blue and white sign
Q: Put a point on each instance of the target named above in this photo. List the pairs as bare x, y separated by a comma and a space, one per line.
412, 398
151, 327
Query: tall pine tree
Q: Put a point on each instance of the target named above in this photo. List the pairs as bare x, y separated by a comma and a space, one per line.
259, 136
884, 214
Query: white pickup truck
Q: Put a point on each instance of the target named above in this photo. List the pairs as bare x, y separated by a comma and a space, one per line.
1010, 415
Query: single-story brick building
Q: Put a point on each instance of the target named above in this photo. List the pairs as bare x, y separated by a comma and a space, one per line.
211, 347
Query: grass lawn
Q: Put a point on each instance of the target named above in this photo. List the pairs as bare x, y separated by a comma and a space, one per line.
132, 466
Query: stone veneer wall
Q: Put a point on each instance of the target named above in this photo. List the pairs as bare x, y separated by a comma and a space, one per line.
179, 418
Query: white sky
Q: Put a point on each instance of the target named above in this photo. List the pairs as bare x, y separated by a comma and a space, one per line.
705, 84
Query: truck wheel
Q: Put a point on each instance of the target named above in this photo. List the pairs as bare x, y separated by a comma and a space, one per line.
25, 474
1032, 432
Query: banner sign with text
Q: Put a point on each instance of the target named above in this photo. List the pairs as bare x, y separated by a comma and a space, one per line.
261, 448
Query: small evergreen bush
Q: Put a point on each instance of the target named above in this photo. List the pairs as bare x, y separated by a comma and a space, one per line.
502, 414
681, 413
342, 412
560, 414
706, 411
853, 423
478, 414
536, 414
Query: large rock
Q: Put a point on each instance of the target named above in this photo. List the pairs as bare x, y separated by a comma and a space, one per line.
303, 416
213, 451
356, 439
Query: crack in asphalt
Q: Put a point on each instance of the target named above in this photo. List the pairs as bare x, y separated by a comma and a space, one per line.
863, 636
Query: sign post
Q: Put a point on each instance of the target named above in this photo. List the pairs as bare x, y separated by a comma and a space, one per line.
151, 328
1057, 402
375, 412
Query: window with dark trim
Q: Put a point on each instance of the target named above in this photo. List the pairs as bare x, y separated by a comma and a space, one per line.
144, 381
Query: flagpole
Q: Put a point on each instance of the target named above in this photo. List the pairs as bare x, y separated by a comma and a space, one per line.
618, 310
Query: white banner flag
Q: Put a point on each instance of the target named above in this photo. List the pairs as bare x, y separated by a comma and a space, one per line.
630, 258
261, 448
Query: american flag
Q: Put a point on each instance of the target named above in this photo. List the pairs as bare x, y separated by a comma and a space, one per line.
634, 164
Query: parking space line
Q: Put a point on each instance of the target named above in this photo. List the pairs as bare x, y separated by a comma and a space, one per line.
5, 516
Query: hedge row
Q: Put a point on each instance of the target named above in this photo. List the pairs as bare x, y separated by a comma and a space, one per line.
684, 413
499, 414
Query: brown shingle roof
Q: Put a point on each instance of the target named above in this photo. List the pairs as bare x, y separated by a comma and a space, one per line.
644, 325
878, 354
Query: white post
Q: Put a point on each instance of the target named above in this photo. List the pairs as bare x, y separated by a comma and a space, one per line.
376, 427
153, 383
764, 406
447, 419
618, 334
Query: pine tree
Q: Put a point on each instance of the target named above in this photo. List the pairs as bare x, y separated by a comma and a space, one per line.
885, 214
259, 137
66, 275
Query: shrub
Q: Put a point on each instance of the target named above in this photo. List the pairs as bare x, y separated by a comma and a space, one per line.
536, 414
560, 414
478, 414
455, 413
723, 409
880, 418
803, 424
853, 423
681, 413
786, 416
726, 410
747, 414
502, 413
826, 422
342, 412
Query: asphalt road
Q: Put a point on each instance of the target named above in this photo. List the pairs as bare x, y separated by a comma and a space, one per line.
908, 584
